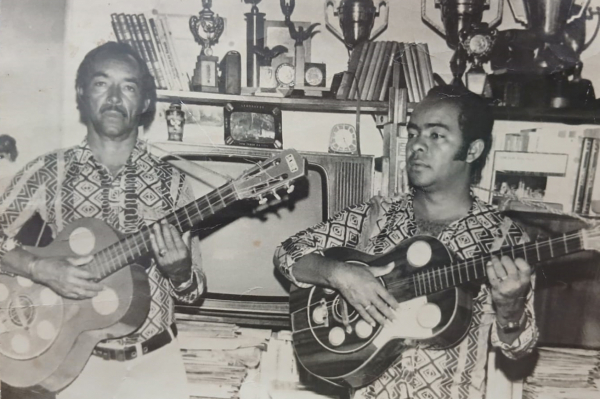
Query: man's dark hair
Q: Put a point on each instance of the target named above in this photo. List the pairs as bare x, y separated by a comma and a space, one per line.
112, 49
475, 121
8, 145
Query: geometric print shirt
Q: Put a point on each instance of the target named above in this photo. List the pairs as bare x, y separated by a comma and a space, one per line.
66, 185
379, 225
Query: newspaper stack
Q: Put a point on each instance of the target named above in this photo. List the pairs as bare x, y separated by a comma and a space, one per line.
218, 356
564, 373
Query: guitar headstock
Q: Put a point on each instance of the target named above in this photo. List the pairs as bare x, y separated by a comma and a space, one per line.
270, 175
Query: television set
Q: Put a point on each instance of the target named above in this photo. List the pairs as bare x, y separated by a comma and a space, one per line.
238, 243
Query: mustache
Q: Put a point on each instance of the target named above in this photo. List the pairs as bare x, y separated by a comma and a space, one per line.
113, 107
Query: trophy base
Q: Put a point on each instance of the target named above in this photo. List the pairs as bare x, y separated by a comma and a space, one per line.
205, 74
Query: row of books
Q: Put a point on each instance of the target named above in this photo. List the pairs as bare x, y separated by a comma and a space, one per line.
152, 40
218, 356
586, 174
375, 66
562, 373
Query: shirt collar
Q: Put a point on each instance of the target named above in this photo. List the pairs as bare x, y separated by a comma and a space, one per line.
477, 205
83, 152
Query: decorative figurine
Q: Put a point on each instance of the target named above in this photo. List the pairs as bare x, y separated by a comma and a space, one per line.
175, 122
205, 73
299, 36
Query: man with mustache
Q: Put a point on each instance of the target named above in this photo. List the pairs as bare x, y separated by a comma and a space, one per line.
111, 176
450, 136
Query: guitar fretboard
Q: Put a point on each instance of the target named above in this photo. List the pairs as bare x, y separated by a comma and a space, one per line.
134, 246
474, 269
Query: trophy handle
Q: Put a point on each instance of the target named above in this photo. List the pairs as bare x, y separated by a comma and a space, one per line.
332, 28
499, 9
384, 25
433, 24
194, 20
582, 10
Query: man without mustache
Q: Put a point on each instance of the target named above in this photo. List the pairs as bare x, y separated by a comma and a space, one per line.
112, 176
450, 136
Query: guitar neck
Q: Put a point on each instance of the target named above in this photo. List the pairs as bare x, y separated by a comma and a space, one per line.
134, 246
474, 269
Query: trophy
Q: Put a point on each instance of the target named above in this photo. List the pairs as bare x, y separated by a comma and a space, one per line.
255, 43
357, 18
465, 32
206, 29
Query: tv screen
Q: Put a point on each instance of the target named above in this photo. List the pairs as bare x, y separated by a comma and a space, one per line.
238, 243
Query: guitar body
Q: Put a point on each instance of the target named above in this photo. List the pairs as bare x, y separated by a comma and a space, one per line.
354, 353
47, 339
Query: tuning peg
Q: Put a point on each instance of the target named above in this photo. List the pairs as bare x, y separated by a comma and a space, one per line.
290, 189
262, 200
277, 197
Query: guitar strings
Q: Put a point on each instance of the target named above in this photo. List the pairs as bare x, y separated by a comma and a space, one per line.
409, 281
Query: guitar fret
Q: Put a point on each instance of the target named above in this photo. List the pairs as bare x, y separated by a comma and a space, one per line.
187, 215
198, 210
420, 287
428, 281
475, 268
459, 275
537, 250
221, 197
551, 249
467, 269
415, 286
565, 242
512, 250
446, 273
452, 274
439, 272
524, 251
434, 282
181, 229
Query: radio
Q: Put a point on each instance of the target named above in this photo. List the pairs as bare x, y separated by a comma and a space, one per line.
230, 81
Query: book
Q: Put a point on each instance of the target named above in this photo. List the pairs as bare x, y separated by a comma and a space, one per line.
150, 50
412, 96
114, 20
591, 176
363, 73
364, 50
174, 59
364, 88
132, 23
423, 56
428, 65
580, 182
160, 54
162, 45
387, 55
389, 72
416, 71
127, 35
377, 70
348, 77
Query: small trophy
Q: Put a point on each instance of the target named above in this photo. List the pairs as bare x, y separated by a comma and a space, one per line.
206, 29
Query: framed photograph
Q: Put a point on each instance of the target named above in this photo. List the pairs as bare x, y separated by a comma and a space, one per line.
277, 33
253, 125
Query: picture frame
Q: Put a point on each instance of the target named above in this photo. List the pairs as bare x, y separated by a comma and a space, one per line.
277, 33
253, 125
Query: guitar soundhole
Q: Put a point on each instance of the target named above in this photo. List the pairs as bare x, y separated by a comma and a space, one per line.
21, 311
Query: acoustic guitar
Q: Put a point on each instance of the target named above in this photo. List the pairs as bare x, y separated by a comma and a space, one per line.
334, 343
46, 339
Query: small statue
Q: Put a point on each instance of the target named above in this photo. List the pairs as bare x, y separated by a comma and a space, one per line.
301, 35
268, 54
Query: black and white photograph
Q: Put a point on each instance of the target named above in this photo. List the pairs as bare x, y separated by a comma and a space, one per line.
182, 217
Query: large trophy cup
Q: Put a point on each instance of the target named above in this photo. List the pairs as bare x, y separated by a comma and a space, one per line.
465, 32
206, 29
357, 18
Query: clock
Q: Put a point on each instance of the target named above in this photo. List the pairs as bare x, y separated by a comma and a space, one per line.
314, 74
342, 139
284, 74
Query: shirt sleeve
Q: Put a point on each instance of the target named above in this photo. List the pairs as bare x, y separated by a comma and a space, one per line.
343, 229
526, 341
190, 290
23, 197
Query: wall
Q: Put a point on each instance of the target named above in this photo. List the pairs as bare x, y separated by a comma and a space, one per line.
31, 73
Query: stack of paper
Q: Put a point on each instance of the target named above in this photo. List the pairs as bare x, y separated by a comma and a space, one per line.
564, 373
218, 356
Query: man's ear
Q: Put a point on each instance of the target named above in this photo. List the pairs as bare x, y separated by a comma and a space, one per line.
146, 105
475, 150
79, 90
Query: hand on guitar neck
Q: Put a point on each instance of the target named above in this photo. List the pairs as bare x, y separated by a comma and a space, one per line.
509, 281
63, 275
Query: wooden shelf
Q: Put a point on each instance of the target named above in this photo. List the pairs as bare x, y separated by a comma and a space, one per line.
307, 104
555, 115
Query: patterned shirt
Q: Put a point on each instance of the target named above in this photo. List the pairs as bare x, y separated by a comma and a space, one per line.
378, 226
67, 185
